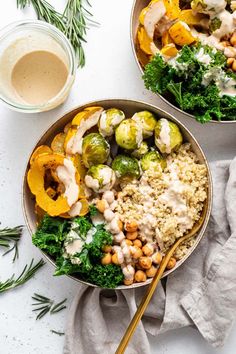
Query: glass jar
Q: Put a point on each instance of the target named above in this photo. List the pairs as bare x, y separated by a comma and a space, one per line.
21, 39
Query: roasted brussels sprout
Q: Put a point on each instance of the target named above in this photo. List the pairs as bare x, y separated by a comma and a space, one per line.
167, 136
124, 165
128, 134
208, 6
147, 121
152, 160
95, 149
109, 120
100, 178
142, 150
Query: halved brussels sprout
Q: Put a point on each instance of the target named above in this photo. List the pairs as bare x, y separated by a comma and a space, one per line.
128, 134
167, 136
100, 178
208, 6
142, 150
152, 160
109, 121
95, 149
124, 165
147, 121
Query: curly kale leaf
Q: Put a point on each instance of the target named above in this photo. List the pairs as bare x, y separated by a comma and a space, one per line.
64, 265
105, 276
100, 239
82, 225
50, 235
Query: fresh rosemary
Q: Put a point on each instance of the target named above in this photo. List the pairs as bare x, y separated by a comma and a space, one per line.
73, 22
46, 305
57, 332
9, 236
27, 273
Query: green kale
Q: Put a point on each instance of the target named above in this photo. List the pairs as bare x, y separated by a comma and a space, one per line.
92, 210
82, 225
64, 265
50, 235
100, 239
181, 82
105, 276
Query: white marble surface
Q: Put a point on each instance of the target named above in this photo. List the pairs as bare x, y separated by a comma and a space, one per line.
110, 72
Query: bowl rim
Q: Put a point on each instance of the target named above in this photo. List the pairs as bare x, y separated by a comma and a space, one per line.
160, 96
110, 101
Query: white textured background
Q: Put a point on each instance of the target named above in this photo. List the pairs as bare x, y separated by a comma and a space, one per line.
110, 72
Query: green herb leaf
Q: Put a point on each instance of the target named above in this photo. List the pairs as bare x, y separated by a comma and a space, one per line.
27, 273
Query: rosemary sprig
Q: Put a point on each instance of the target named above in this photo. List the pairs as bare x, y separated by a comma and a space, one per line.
9, 235
27, 273
46, 305
73, 22
57, 332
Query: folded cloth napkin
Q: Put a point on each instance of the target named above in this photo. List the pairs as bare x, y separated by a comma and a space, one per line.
202, 292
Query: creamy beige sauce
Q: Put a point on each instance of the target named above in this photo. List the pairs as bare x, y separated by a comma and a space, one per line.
74, 247
66, 174
75, 209
74, 145
153, 15
164, 138
39, 76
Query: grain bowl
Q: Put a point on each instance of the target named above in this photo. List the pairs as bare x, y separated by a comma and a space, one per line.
110, 187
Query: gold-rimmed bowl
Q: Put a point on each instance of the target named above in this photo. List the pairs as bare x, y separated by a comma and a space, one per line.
129, 107
138, 5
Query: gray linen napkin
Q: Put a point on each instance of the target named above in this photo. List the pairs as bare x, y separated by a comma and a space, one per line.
202, 292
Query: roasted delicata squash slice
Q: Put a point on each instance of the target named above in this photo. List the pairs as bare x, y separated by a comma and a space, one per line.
166, 39
80, 208
42, 149
79, 165
191, 18
82, 122
181, 33
144, 41
169, 50
172, 9
58, 142
35, 180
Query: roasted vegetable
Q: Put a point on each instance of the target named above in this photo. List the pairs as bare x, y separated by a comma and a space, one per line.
35, 180
95, 149
153, 161
167, 136
208, 7
190, 17
42, 149
142, 150
169, 50
100, 178
147, 121
126, 166
144, 41
58, 142
128, 134
181, 33
109, 121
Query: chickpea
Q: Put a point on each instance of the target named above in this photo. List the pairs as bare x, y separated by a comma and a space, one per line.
107, 248
145, 262
131, 226
106, 259
108, 215
114, 259
108, 196
136, 252
230, 62
120, 225
132, 235
234, 65
101, 205
225, 43
233, 39
118, 238
151, 272
148, 249
128, 242
157, 258
128, 281
137, 243
140, 276
171, 263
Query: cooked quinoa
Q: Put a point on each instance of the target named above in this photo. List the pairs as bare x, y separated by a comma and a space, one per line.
166, 204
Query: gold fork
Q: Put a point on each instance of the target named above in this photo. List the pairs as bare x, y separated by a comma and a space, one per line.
152, 287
